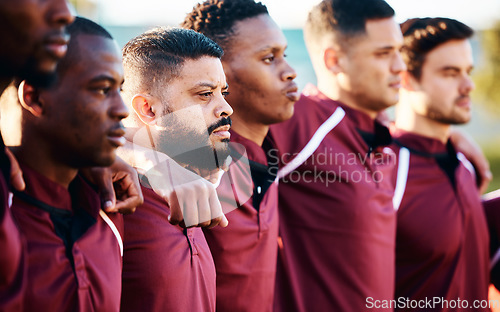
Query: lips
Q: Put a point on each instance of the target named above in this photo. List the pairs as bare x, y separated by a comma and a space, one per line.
116, 137
292, 93
395, 84
463, 101
57, 45
222, 132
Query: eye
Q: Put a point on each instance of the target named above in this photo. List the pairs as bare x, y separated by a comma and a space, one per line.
206, 94
103, 91
268, 59
225, 93
450, 73
383, 53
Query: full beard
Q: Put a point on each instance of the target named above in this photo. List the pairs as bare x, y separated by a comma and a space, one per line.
193, 149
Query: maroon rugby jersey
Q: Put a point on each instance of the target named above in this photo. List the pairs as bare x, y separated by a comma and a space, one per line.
12, 263
245, 251
73, 249
442, 243
492, 211
337, 221
165, 267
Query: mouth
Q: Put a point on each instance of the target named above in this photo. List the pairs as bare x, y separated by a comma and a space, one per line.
57, 45
395, 84
292, 93
463, 101
222, 132
116, 137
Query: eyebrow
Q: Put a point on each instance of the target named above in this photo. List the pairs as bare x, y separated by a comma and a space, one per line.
454, 68
272, 48
385, 48
209, 85
105, 78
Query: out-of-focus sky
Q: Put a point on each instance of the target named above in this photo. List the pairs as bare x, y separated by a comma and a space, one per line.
292, 13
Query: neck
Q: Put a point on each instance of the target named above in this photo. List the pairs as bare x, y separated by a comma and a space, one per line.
44, 163
253, 131
407, 119
330, 88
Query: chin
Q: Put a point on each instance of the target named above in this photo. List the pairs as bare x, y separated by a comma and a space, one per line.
106, 161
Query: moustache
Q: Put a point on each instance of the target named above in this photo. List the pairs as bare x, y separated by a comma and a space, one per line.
222, 122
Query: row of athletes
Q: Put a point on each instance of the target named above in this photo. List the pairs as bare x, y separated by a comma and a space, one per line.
419, 231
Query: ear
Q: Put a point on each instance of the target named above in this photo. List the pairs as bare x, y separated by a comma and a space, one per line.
29, 97
332, 62
143, 108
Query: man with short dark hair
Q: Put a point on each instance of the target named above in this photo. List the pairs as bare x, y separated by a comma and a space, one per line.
262, 93
175, 87
337, 221
32, 40
442, 236
73, 247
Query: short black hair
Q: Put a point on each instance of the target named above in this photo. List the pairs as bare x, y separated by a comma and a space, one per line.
81, 26
158, 54
216, 18
343, 19
422, 35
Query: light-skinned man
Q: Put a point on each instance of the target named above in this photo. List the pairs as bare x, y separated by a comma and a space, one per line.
442, 248
337, 221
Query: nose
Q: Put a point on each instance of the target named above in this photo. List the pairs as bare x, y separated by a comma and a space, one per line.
223, 109
398, 65
118, 109
288, 73
60, 13
467, 85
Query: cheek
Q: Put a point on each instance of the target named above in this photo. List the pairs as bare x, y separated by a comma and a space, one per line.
441, 95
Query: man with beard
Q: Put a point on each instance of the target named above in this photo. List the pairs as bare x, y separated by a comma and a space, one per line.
31, 40
442, 236
175, 87
73, 247
262, 93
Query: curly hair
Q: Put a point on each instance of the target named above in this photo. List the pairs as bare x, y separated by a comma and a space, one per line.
422, 35
216, 18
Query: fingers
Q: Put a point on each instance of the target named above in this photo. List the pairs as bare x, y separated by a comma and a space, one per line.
129, 205
175, 209
101, 177
126, 187
195, 204
218, 217
471, 150
16, 175
183, 204
188, 201
484, 181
